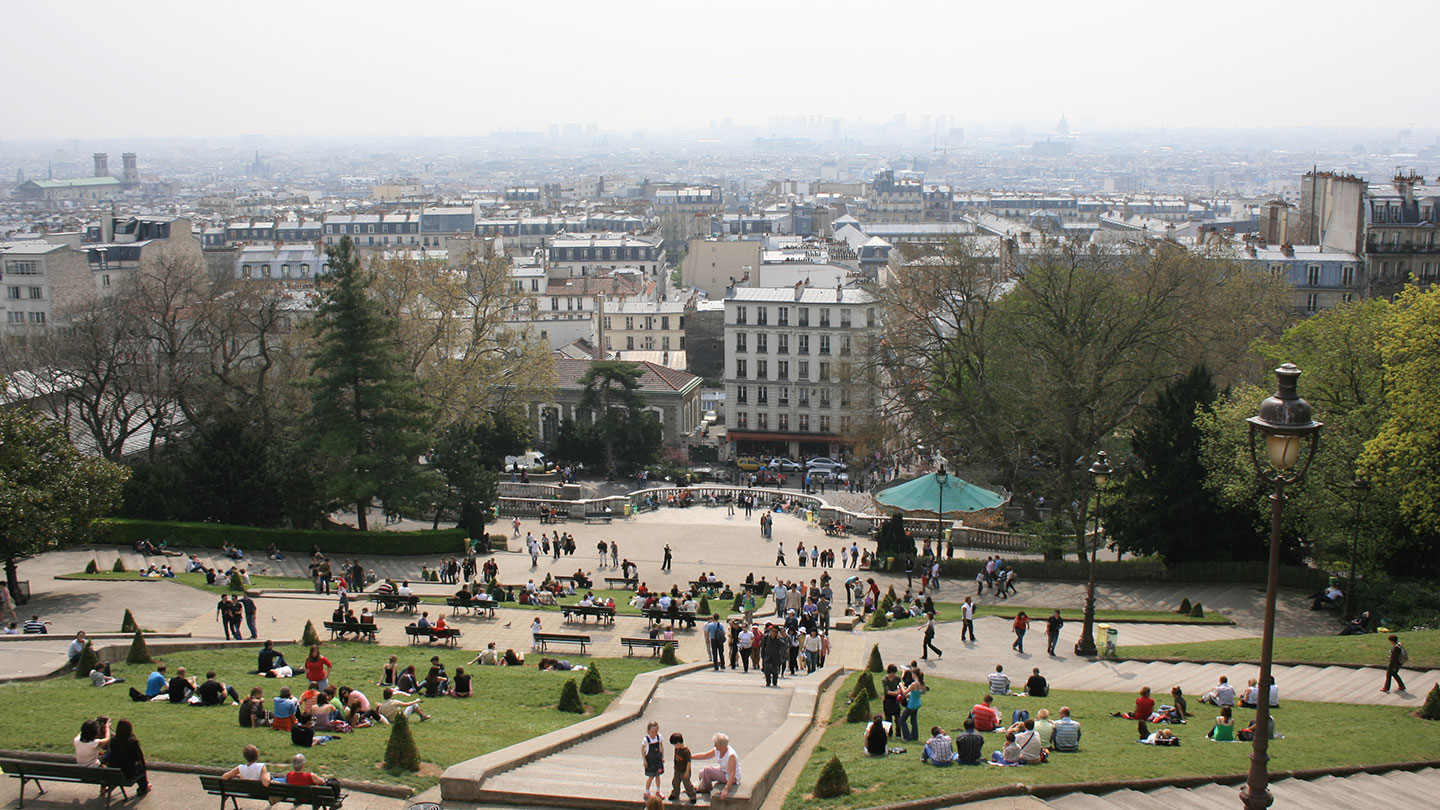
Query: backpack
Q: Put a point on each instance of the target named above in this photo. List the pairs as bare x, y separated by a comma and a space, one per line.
1404, 656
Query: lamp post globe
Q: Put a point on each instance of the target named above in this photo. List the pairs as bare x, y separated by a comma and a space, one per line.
1291, 437
1100, 473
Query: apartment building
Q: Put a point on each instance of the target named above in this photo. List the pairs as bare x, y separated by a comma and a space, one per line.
642, 326
1400, 223
685, 212
40, 280
593, 254
795, 368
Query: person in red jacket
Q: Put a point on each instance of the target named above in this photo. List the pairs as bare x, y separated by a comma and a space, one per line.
987, 717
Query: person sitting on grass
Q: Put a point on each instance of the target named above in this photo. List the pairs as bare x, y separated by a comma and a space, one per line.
358, 710
1222, 695
1224, 728
488, 657
180, 688
999, 681
213, 692
1044, 725
252, 710
394, 706
1010, 754
969, 745
100, 675
1036, 685
156, 687
283, 711
1066, 736
1032, 745
252, 769
987, 717
303, 732
939, 750
1177, 699
461, 684
1162, 737
1144, 707
513, 659
1247, 734
406, 682
877, 736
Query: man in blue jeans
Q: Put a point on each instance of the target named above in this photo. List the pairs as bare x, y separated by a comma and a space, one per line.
715, 634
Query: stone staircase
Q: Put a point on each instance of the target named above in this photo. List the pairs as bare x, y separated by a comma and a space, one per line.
1392, 789
1324, 684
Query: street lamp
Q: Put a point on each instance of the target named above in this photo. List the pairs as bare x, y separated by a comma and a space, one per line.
940, 479
1361, 488
1100, 471
1284, 421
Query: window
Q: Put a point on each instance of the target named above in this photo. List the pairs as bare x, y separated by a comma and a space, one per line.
607, 321
284, 271
1312, 275
804, 396
845, 345
649, 322
665, 343
762, 342
762, 421
742, 394
824, 317
824, 397
649, 343
1312, 302
845, 397
742, 420
824, 346
569, 303
27, 267
762, 316
804, 344
741, 342
265, 270
804, 316
762, 395
824, 423
740, 315
245, 270
782, 343
870, 316
845, 424
782, 421
761, 367
105, 280
784, 395
16, 317
665, 322
782, 369
804, 421
803, 370
1347, 298
782, 316
845, 318
36, 293
37, 317
740, 368
13, 293
1347, 275
554, 304
305, 270
629, 343
1277, 269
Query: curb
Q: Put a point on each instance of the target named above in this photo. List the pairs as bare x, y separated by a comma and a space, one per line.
115, 653
1255, 663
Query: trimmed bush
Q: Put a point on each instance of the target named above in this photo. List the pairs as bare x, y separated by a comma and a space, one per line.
833, 781
309, 638
1184, 607
236, 583
335, 543
704, 609
400, 752
92, 567
119, 566
877, 664
127, 624
890, 595
865, 685
1198, 611
1146, 571
87, 661
139, 650
570, 697
591, 684
879, 619
1431, 710
667, 655
859, 710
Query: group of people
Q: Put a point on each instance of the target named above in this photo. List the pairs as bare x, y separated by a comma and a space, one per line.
997, 577
724, 773
816, 557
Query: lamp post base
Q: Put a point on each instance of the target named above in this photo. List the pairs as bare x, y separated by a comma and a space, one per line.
1260, 801
1086, 647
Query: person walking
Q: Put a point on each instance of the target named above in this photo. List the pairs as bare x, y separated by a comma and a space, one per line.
665, 564
604, 549
1399, 657
1052, 630
967, 620
715, 634
779, 547
1022, 623
248, 605
772, 655
614, 554
909, 572
929, 644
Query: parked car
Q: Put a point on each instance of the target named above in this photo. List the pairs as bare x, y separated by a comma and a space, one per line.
785, 465
533, 461
824, 464
748, 463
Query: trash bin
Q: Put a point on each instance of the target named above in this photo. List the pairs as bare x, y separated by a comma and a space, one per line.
1112, 641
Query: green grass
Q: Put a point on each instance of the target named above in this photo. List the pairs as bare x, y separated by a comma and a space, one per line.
1108, 747
1372, 649
257, 582
510, 705
950, 612
622, 602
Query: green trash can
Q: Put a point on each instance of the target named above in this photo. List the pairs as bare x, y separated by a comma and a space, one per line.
1112, 641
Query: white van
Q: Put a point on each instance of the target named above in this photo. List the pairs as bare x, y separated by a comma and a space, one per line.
533, 461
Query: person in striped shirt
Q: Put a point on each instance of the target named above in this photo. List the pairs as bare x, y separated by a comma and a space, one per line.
999, 681
1066, 734
35, 626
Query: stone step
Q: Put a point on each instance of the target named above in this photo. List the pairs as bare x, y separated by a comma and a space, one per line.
1079, 801
1135, 800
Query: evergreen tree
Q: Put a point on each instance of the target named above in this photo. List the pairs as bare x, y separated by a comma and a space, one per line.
401, 754
88, 660
309, 638
119, 566
139, 650
833, 781
570, 698
366, 424
892, 541
859, 710
469, 455
879, 620
617, 408
667, 655
127, 624
1431, 709
865, 684
877, 663
92, 567
591, 684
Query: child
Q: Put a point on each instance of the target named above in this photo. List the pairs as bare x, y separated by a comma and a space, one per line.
681, 777
652, 752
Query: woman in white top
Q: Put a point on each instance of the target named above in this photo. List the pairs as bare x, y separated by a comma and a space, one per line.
93, 738
251, 769
725, 771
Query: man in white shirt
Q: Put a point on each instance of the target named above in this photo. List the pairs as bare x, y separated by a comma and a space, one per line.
404, 589
1222, 695
76, 647
967, 619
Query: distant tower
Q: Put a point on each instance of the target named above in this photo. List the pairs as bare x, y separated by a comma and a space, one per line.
1063, 127
130, 172
102, 164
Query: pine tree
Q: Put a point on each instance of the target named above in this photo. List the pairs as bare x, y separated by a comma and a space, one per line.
704, 609
309, 638
667, 655
879, 619
1431, 709
1184, 607
1198, 611
139, 651
119, 566
92, 567
833, 781
237, 583
367, 423
88, 660
877, 664
591, 684
865, 684
400, 752
127, 624
859, 710
570, 698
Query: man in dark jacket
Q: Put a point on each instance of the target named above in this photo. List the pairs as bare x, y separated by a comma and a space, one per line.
773, 652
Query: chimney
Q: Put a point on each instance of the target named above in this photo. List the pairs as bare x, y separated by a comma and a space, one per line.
102, 164
1287, 250
130, 172
600, 326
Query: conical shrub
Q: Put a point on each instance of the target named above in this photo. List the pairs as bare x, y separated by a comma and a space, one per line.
236, 582
88, 660
309, 638
591, 683
859, 710
1431, 709
877, 664
879, 619
1184, 607
667, 656
400, 752
139, 650
1198, 611
119, 566
570, 698
833, 781
92, 567
128, 624
865, 684
704, 609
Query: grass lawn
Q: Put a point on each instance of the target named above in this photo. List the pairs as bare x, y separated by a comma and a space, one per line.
622, 602
950, 612
1108, 746
1372, 649
257, 582
511, 704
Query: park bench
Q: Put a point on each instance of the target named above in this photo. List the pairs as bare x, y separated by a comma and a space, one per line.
603, 613
449, 635
557, 516
477, 607
656, 616
705, 585
757, 588
655, 645
30, 771
232, 790
628, 583
598, 517
366, 629
393, 601
543, 639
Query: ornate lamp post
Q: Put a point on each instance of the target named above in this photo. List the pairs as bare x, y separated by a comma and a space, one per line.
1100, 471
1284, 421
940, 479
1361, 488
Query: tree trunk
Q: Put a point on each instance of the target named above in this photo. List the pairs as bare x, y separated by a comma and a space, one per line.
12, 578
360, 522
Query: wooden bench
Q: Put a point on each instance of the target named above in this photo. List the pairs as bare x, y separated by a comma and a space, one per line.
656, 615
757, 588
232, 790
449, 635
562, 638
366, 629
603, 613
29, 771
393, 601
705, 585
655, 645
599, 517
628, 583
477, 607
558, 516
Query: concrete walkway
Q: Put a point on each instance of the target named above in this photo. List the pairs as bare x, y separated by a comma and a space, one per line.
1393, 789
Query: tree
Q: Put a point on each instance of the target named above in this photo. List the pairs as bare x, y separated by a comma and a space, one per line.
876, 663
833, 781
366, 425
309, 638
87, 661
893, 540
612, 397
469, 455
401, 753
139, 651
859, 711
127, 624
570, 698
50, 495
591, 684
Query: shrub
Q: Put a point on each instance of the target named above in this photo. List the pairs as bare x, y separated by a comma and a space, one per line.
877, 664
335, 543
570, 697
1431, 710
1198, 611
119, 566
309, 638
879, 619
833, 780
400, 752
591, 684
127, 624
92, 567
1184, 607
87, 661
139, 651
667, 656
236, 583
865, 685
859, 710
704, 608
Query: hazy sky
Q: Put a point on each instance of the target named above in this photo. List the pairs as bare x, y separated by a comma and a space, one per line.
148, 68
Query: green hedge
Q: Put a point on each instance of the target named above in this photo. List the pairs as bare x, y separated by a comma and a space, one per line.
255, 541
1149, 570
